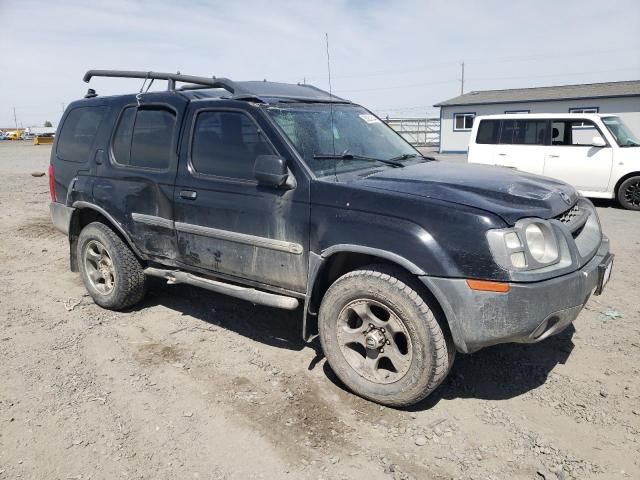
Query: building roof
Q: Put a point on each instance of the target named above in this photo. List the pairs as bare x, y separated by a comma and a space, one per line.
539, 94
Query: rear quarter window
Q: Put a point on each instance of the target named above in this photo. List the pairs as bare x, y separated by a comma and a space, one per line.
78, 133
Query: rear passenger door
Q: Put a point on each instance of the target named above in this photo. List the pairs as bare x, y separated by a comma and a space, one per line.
521, 144
226, 223
136, 173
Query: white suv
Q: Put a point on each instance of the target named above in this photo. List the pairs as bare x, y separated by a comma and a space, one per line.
595, 153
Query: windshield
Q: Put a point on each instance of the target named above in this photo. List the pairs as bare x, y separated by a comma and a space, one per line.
356, 132
621, 132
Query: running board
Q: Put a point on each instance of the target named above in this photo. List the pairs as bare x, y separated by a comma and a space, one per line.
250, 294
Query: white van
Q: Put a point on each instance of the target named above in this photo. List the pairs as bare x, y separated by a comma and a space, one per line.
595, 153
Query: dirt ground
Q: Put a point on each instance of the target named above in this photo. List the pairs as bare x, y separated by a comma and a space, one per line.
190, 384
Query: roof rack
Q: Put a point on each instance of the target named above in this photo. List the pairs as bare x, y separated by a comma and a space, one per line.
172, 78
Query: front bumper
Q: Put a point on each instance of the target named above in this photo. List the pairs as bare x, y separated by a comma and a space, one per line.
528, 313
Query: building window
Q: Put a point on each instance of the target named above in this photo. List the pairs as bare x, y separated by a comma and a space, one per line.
516, 111
584, 110
462, 122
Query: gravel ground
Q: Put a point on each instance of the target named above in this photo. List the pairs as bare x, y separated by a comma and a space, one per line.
190, 384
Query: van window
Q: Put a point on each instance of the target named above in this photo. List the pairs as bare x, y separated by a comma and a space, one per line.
573, 132
226, 144
78, 132
523, 132
488, 132
144, 138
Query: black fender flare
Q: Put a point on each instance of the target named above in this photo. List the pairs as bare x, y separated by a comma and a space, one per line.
80, 205
317, 261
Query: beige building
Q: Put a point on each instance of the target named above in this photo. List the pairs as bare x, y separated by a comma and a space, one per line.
457, 114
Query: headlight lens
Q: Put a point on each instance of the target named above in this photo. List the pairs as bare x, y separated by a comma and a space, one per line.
541, 242
530, 245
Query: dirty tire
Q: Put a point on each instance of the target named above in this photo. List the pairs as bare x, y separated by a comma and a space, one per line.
429, 345
629, 193
129, 283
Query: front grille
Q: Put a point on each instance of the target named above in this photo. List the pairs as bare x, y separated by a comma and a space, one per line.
568, 216
574, 218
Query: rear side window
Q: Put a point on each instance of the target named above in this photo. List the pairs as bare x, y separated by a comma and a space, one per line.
523, 132
488, 131
226, 144
144, 138
78, 132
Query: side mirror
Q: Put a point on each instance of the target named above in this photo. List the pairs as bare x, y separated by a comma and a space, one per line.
270, 171
598, 142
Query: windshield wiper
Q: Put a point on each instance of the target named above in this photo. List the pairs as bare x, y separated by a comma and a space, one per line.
406, 156
349, 156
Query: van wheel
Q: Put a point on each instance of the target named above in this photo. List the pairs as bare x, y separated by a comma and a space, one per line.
629, 193
111, 273
381, 338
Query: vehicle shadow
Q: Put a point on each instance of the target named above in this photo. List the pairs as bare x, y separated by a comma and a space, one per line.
273, 327
606, 203
496, 373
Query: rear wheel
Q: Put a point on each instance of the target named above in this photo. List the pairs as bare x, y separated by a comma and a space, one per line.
381, 338
629, 193
111, 273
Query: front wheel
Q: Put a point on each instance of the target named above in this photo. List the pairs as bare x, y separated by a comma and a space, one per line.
629, 193
381, 338
111, 273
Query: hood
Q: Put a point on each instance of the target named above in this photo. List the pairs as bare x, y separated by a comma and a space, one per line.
506, 192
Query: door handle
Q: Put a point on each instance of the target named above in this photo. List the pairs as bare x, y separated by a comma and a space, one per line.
554, 156
188, 194
502, 154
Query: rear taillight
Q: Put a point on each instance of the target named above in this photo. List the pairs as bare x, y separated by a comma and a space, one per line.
52, 183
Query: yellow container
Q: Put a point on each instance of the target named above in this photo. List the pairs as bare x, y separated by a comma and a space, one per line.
42, 140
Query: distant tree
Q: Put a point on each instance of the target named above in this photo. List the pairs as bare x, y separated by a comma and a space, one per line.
48, 124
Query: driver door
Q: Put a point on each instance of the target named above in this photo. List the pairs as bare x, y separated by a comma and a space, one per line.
225, 222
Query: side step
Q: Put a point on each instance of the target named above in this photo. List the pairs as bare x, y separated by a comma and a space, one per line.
245, 293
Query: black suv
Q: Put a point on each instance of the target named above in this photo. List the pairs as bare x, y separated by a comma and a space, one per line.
286, 195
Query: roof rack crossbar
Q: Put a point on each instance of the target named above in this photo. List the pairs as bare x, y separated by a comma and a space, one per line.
171, 78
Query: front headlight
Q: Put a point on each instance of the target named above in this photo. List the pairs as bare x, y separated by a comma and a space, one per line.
531, 244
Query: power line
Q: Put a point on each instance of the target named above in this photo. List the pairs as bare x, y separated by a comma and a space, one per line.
393, 87
476, 61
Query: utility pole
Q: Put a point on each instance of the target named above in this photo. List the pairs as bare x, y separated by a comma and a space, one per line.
462, 80
62, 107
15, 119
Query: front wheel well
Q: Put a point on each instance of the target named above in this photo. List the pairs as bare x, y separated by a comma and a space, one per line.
342, 263
623, 179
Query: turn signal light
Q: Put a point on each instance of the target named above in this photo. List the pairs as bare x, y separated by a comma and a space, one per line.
488, 286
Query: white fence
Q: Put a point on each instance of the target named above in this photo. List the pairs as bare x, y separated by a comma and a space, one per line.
419, 132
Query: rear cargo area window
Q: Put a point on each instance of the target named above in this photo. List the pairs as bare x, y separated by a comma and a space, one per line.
144, 138
488, 131
78, 132
226, 144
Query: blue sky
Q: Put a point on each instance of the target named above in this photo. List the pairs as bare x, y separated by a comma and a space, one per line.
396, 57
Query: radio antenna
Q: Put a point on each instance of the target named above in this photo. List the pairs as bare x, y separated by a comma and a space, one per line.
333, 137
